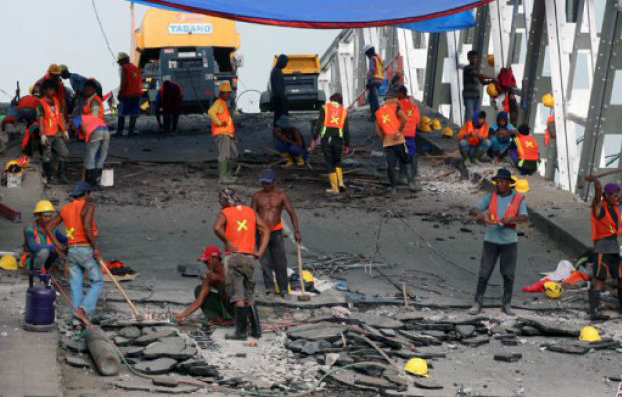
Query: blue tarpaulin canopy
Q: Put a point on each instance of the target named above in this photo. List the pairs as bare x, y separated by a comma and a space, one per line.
460, 20
322, 14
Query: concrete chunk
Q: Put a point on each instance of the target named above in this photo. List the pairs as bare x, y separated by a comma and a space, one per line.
425, 383
330, 334
76, 346
159, 366
153, 337
465, 331
567, 347
78, 362
173, 347
372, 381
130, 332
377, 321
508, 357
476, 341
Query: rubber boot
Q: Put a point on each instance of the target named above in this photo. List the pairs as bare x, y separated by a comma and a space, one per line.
62, 176
232, 178
506, 303
120, 125
98, 176
480, 291
253, 316
594, 301
241, 322
289, 161
222, 172
46, 172
340, 183
133, 125
300, 161
334, 188
410, 177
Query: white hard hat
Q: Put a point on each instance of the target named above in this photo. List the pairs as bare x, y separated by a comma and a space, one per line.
367, 48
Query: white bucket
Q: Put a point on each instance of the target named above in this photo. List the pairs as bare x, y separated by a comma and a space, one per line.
107, 179
13, 179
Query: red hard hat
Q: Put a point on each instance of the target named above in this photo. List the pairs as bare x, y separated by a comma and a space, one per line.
210, 251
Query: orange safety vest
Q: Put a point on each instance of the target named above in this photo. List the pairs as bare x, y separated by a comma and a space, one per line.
468, 131
378, 68
91, 123
240, 228
510, 212
132, 85
547, 133
527, 148
87, 108
28, 102
335, 116
71, 214
224, 117
386, 118
605, 227
51, 119
412, 115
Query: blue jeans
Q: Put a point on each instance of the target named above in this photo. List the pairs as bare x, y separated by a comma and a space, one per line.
80, 259
97, 151
372, 97
293, 150
471, 105
497, 146
471, 151
411, 147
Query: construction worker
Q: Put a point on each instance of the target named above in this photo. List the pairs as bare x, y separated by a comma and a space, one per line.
25, 111
472, 80
91, 103
289, 142
168, 103
332, 127
375, 77
223, 130
278, 93
130, 92
524, 151
236, 227
77, 82
473, 139
53, 133
269, 203
501, 211
210, 296
606, 227
501, 135
411, 111
83, 254
550, 141
39, 250
62, 93
94, 132
390, 123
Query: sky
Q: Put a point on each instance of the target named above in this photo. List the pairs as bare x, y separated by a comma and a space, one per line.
39, 32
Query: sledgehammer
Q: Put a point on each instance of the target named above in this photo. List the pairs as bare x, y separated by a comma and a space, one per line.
304, 297
137, 314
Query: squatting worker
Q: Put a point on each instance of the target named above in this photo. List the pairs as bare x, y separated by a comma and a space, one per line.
223, 130
501, 210
210, 296
269, 203
605, 214
83, 255
333, 128
39, 251
237, 226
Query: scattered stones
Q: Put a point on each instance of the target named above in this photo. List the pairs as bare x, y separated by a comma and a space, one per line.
78, 361
508, 357
76, 346
552, 329
139, 384
425, 383
388, 332
377, 321
476, 341
378, 383
144, 340
311, 348
121, 341
316, 333
465, 331
420, 339
159, 366
130, 332
567, 347
132, 351
528, 330
173, 347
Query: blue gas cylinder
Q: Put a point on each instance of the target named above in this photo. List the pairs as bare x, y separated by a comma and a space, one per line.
40, 298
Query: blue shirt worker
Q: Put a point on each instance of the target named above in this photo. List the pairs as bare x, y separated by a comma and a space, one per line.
39, 250
501, 211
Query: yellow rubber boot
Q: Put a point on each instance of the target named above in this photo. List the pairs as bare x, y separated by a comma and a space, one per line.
340, 184
334, 188
300, 161
289, 160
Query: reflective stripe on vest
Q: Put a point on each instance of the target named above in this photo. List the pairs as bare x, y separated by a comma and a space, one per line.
605, 227
335, 116
386, 118
240, 228
511, 211
411, 111
527, 148
87, 108
224, 117
71, 214
378, 68
51, 120
547, 133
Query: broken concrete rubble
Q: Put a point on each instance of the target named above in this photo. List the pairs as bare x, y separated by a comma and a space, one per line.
151, 337
172, 347
158, 366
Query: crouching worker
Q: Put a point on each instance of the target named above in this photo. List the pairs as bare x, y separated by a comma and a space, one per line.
210, 296
94, 132
473, 139
236, 226
38, 248
289, 143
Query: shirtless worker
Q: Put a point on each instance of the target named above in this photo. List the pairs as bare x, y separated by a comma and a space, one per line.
236, 227
269, 203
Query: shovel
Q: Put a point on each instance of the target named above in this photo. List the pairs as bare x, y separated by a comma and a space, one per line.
304, 297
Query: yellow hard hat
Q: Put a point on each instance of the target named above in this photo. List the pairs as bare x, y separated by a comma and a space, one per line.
588, 334
548, 101
43, 206
307, 276
425, 120
8, 262
54, 69
491, 60
436, 125
424, 127
491, 89
553, 290
122, 55
63, 67
224, 87
417, 366
448, 132
521, 186
9, 164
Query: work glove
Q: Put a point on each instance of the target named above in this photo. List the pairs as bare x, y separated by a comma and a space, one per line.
44, 140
